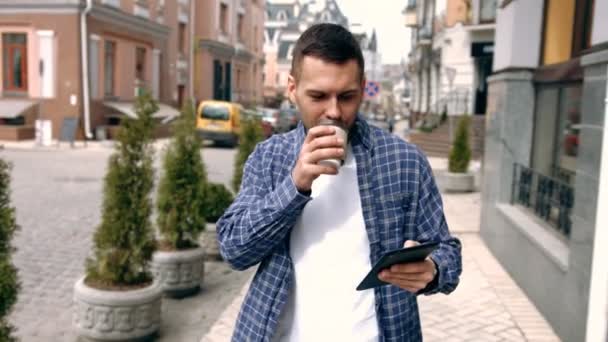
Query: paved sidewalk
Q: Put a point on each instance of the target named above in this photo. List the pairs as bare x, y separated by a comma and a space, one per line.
486, 306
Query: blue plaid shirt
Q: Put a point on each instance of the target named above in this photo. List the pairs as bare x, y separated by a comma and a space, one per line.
400, 202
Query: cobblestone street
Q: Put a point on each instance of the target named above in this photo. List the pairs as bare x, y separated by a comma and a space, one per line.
57, 194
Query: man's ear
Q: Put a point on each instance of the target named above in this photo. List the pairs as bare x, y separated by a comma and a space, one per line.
291, 89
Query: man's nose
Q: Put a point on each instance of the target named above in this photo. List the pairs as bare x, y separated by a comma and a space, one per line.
333, 109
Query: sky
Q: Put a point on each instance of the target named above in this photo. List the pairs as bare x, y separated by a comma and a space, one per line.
386, 17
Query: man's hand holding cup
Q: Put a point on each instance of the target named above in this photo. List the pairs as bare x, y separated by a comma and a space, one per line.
323, 152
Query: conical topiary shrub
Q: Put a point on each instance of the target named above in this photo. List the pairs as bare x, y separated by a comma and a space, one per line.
124, 241
179, 262
117, 299
251, 134
460, 154
181, 192
9, 284
219, 199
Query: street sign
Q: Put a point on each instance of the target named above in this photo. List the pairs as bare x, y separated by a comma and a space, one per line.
372, 88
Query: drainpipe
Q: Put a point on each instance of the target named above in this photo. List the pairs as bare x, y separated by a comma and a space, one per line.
191, 49
597, 313
84, 54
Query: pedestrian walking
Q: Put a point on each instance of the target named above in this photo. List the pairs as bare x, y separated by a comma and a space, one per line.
319, 205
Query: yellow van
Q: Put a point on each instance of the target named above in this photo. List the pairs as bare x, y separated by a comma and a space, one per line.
219, 121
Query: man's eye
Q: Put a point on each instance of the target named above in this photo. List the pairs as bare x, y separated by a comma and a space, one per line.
317, 97
347, 97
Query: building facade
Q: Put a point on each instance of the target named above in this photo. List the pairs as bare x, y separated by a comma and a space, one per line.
228, 55
544, 186
176, 49
285, 22
451, 55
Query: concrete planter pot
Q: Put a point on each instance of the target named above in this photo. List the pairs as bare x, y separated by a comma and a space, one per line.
209, 242
180, 273
458, 182
102, 315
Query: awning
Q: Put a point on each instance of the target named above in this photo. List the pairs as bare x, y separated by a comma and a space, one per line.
165, 112
10, 109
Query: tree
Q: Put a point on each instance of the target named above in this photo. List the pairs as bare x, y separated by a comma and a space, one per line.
181, 193
251, 134
9, 284
460, 154
124, 241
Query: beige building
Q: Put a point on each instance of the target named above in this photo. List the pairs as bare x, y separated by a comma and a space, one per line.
132, 44
228, 56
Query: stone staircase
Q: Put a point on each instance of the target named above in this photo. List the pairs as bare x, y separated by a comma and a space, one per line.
438, 143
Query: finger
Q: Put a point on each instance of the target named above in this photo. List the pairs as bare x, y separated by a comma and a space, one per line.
412, 286
411, 243
413, 267
425, 277
324, 153
315, 170
325, 142
319, 131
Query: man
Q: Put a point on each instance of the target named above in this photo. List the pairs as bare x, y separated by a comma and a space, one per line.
316, 230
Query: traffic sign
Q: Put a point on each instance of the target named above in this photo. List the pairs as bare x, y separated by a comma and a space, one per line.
372, 88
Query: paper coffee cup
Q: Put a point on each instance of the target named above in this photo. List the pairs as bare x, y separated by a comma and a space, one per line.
341, 132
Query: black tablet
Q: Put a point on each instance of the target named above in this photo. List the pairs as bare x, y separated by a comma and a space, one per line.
399, 256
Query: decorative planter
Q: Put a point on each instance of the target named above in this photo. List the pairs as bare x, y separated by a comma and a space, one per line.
104, 315
458, 182
209, 242
180, 273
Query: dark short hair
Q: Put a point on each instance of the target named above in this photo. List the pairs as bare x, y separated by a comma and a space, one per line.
330, 43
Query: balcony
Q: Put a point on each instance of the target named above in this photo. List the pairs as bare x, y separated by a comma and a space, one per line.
182, 63
409, 14
113, 3
425, 36
141, 10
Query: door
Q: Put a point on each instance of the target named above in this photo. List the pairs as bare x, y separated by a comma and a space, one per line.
217, 80
228, 82
15, 61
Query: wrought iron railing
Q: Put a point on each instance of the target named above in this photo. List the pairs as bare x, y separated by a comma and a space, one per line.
550, 199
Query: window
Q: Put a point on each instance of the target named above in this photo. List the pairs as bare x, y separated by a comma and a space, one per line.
182, 38
255, 39
224, 18
109, 67
238, 79
282, 16
215, 112
488, 11
140, 63
556, 131
567, 29
14, 53
583, 23
239, 27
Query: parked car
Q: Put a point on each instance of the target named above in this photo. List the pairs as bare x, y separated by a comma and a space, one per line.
219, 121
291, 116
266, 126
279, 121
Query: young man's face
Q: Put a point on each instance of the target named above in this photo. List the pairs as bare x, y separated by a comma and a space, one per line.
327, 90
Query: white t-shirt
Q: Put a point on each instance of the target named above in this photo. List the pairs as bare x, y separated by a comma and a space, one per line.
330, 252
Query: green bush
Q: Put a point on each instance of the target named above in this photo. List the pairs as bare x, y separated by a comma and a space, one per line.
9, 284
460, 154
181, 192
218, 200
444, 115
124, 241
251, 134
